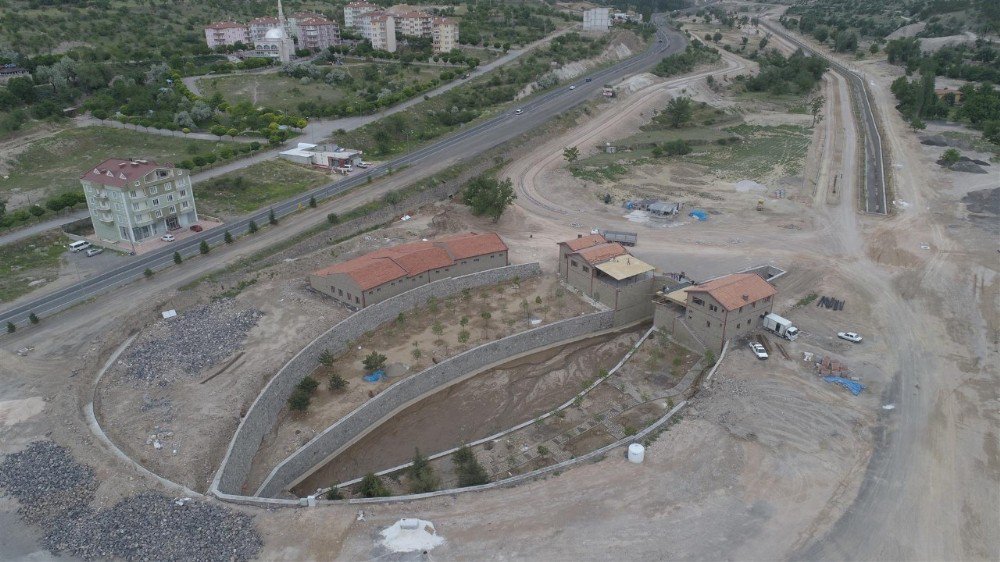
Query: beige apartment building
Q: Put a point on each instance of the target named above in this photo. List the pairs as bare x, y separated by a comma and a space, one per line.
380, 29
374, 277
444, 32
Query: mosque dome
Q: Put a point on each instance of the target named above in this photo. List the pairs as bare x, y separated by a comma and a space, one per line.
275, 33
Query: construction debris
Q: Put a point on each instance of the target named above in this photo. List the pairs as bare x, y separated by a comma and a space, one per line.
831, 303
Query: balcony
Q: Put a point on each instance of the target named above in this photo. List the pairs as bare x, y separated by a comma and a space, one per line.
102, 206
105, 217
101, 193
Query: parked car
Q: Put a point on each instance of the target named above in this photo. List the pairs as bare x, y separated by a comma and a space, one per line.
849, 336
758, 350
168, 238
196, 228
363, 164
94, 251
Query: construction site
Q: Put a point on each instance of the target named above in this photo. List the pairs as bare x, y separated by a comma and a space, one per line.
883, 446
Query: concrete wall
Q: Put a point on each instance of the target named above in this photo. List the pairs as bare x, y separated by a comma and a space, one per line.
263, 414
634, 302
352, 427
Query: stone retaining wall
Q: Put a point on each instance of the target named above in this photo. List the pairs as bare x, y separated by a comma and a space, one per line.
263, 414
352, 427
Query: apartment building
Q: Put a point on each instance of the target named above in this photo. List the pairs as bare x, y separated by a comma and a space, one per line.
226, 33
353, 12
444, 32
314, 32
380, 29
135, 200
258, 28
374, 277
413, 23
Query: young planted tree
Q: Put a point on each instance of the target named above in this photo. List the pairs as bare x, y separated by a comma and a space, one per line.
336, 383
148, 273
203, 247
299, 400
326, 358
271, 218
228, 237
468, 469
374, 361
252, 227
308, 384
177, 258
33, 318
312, 201
11, 328
334, 494
422, 476
372, 487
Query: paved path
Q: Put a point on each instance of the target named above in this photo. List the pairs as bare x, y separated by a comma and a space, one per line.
464, 144
34, 229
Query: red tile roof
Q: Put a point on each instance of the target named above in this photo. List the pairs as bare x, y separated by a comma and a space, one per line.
119, 173
224, 25
577, 244
730, 290
602, 252
409, 260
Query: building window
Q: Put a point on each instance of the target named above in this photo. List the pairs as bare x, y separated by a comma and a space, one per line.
135, 206
184, 205
356, 300
340, 292
349, 297
170, 197
767, 299
158, 213
133, 194
573, 263
156, 201
184, 193
463, 262
713, 308
173, 209
152, 190
698, 301
708, 324
477, 259
586, 269
737, 326
168, 186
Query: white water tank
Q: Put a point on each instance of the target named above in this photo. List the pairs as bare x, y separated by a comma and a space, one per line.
636, 453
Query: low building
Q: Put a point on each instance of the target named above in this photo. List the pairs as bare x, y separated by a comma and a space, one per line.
607, 273
135, 200
353, 12
9, 71
374, 277
709, 314
324, 156
444, 32
226, 33
597, 19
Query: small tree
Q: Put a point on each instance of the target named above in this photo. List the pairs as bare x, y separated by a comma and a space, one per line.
717, 37
203, 247
437, 328
679, 111
372, 487
177, 258
271, 218
33, 318
312, 201
489, 196
11, 328
463, 336
543, 450
299, 401
326, 358
470, 472
571, 153
374, 361
308, 384
252, 227
334, 494
422, 476
951, 156
148, 273
332, 218
336, 383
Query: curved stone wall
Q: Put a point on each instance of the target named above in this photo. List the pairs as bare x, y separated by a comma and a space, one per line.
263, 413
352, 427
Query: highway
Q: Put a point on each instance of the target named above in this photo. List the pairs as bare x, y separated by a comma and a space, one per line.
875, 190
463, 144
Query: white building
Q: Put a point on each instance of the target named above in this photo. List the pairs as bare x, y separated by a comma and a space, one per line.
225, 33
380, 29
597, 19
354, 11
413, 23
277, 42
324, 156
445, 34
135, 200
313, 31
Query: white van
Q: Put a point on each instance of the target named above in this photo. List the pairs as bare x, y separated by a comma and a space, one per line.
79, 245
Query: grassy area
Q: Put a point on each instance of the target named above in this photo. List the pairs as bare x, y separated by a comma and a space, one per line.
27, 260
345, 85
255, 186
53, 165
762, 150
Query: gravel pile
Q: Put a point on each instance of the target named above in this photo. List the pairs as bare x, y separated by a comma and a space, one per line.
152, 526
54, 492
185, 345
47, 482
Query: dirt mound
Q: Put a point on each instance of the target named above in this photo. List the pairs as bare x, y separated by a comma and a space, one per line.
984, 201
969, 167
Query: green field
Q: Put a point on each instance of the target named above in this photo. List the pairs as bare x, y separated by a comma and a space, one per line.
255, 186
286, 93
29, 259
762, 150
53, 165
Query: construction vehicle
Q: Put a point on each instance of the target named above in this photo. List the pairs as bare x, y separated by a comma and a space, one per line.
780, 326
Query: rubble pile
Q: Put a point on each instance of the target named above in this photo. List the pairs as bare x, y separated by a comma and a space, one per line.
47, 483
185, 345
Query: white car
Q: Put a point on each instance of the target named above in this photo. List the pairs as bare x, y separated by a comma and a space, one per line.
849, 336
518, 111
168, 238
363, 164
94, 251
758, 350
572, 87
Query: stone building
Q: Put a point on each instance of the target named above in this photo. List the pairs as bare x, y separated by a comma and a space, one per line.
374, 277
608, 274
705, 316
136, 200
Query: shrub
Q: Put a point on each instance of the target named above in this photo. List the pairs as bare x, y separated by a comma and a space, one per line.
372, 487
11, 328
332, 218
422, 476
374, 361
177, 258
326, 358
252, 227
228, 237
543, 450
437, 328
203, 247
416, 353
299, 400
463, 336
148, 273
307, 384
464, 321
336, 383
468, 469
271, 218
334, 494
951, 156
312, 201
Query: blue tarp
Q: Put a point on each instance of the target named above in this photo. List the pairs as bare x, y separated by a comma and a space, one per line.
699, 214
375, 377
854, 386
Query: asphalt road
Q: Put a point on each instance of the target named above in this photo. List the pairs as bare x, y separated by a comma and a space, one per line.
875, 191
463, 144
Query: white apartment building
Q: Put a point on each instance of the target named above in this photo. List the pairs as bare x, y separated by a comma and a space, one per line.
413, 24
225, 33
597, 19
354, 11
380, 29
135, 200
444, 31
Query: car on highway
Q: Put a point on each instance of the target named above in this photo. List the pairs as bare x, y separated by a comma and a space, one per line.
573, 87
518, 111
94, 251
196, 228
588, 79
853, 337
168, 238
758, 350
